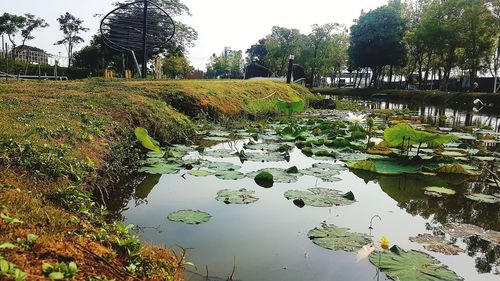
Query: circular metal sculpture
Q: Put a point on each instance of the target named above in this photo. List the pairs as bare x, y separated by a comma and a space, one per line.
140, 26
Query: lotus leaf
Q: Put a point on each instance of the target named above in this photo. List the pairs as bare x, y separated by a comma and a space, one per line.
385, 167
200, 173
402, 265
483, 198
338, 238
462, 230
438, 244
221, 153
189, 216
220, 166
161, 168
456, 169
241, 196
324, 171
148, 142
395, 135
321, 197
279, 175
438, 191
264, 179
289, 107
265, 157
229, 175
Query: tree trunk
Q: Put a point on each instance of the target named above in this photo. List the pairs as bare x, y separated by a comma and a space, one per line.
390, 76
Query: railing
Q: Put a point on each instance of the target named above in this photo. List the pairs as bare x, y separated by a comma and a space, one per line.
32, 77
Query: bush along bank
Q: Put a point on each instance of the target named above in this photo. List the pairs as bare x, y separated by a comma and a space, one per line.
458, 100
65, 145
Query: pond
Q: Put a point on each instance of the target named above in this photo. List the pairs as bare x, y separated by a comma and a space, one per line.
268, 239
477, 116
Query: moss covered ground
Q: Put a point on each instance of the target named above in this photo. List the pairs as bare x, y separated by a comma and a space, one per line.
64, 143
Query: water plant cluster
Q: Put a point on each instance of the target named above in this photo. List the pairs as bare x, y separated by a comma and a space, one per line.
382, 144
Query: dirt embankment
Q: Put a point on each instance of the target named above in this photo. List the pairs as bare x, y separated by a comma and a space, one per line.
61, 142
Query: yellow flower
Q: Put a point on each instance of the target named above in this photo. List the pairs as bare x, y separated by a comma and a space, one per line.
384, 243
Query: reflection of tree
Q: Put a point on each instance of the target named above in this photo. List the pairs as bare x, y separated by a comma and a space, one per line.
487, 254
407, 191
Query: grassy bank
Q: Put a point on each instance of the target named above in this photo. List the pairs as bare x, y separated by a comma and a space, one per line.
61, 142
448, 99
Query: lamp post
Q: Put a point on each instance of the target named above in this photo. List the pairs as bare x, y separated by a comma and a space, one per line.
289, 76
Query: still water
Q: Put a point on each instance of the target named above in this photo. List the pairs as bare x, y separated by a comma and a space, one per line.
267, 240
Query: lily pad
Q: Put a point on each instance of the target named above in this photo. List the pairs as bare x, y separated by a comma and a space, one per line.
385, 167
484, 198
279, 175
325, 171
200, 173
456, 169
229, 175
161, 168
321, 197
438, 191
436, 243
462, 230
338, 238
189, 216
241, 196
221, 153
220, 166
402, 265
265, 157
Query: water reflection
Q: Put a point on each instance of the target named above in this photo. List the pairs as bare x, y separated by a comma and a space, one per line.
434, 115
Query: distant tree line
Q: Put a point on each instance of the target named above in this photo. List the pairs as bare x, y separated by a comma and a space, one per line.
409, 41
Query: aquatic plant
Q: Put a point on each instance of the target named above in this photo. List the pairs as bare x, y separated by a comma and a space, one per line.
412, 265
290, 108
404, 136
148, 142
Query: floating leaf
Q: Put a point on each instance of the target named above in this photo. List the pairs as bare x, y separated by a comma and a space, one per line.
189, 216
265, 157
219, 166
321, 197
200, 173
148, 142
289, 107
162, 168
438, 244
455, 169
385, 167
221, 153
402, 265
279, 175
264, 179
337, 238
241, 196
438, 191
229, 175
462, 230
483, 198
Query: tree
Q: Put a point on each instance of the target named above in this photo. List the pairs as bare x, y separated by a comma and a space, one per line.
24, 26
71, 28
494, 60
176, 67
479, 37
229, 64
257, 52
377, 40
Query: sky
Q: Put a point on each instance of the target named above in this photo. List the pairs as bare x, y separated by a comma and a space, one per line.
220, 23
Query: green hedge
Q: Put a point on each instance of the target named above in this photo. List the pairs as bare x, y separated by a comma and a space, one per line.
22, 68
